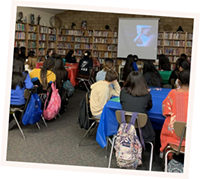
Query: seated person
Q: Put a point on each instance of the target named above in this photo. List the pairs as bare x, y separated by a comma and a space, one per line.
20, 81
49, 53
70, 58
108, 65
164, 68
85, 66
175, 107
60, 72
151, 74
174, 75
128, 67
135, 62
42, 77
31, 61
182, 65
101, 92
135, 97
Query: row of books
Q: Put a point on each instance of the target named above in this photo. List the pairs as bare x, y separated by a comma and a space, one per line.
104, 55
32, 45
112, 48
64, 45
61, 52
51, 45
174, 43
43, 30
41, 52
172, 35
82, 39
101, 33
42, 44
52, 31
52, 37
19, 26
173, 51
32, 28
20, 35
42, 36
20, 43
32, 36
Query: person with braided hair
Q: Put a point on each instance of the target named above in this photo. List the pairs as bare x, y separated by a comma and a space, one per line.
45, 75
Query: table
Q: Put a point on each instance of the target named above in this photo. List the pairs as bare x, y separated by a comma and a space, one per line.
108, 124
72, 69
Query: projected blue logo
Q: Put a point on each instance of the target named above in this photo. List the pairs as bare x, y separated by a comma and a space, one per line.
145, 36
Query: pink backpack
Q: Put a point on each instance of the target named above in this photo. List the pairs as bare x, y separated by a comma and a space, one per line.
54, 104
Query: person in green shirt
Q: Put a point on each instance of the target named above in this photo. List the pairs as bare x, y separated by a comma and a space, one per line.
164, 68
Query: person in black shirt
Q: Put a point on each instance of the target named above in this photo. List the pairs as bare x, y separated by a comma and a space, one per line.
151, 74
85, 65
70, 58
135, 97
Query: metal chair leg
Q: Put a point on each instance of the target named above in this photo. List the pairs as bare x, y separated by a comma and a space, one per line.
151, 156
166, 159
111, 151
86, 133
44, 120
37, 125
18, 125
86, 86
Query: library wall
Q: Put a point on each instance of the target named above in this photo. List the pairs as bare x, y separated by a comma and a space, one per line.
98, 20
28, 10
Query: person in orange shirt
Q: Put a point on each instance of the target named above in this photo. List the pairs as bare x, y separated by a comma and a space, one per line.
175, 108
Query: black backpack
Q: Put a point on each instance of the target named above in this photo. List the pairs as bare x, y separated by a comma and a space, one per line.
84, 114
64, 98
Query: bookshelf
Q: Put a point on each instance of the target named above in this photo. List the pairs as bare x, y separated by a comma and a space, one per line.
101, 43
173, 44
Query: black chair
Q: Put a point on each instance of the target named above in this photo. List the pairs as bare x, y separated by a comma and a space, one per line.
94, 120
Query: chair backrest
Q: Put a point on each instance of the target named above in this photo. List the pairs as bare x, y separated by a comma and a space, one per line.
87, 98
141, 118
180, 129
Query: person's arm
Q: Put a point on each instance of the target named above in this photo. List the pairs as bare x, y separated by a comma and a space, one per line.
167, 105
116, 90
28, 83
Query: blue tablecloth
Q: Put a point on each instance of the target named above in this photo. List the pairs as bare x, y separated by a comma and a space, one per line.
108, 124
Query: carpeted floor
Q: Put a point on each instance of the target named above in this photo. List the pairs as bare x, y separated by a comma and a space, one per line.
57, 143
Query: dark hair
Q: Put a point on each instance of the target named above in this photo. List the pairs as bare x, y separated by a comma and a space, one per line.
48, 51
184, 56
69, 55
111, 75
184, 77
135, 84
164, 63
47, 65
109, 64
86, 54
184, 64
55, 55
16, 52
18, 77
135, 57
128, 66
31, 53
23, 52
155, 75
59, 71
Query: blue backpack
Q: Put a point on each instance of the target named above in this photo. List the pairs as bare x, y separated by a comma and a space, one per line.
33, 111
69, 87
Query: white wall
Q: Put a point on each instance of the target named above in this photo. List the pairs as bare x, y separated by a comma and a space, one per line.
28, 10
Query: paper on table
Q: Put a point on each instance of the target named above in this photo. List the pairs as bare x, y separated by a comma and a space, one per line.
116, 99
